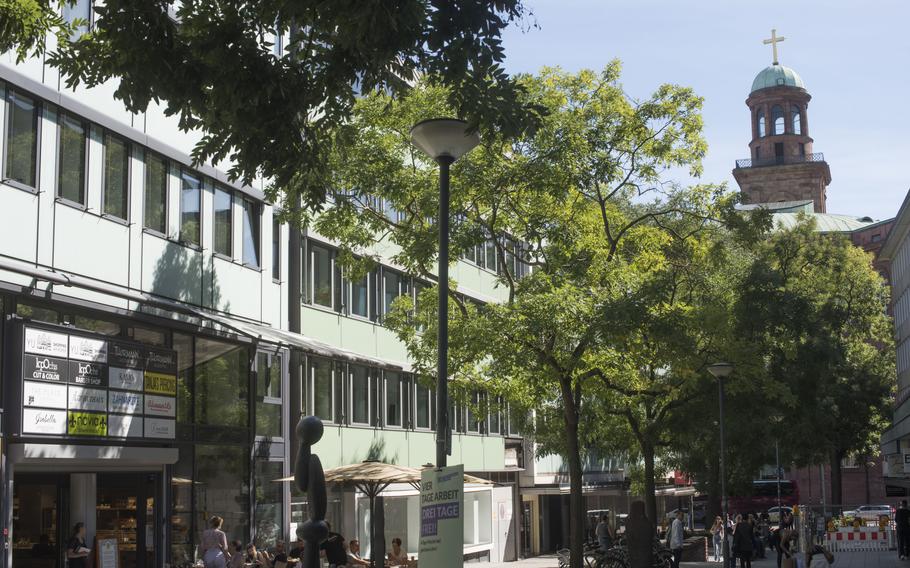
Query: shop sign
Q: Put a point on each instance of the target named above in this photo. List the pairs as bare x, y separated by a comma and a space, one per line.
42, 342
45, 395
86, 424
442, 516
126, 379
160, 428
44, 368
124, 402
87, 349
88, 374
126, 355
120, 426
161, 361
160, 406
40, 421
160, 383
81, 398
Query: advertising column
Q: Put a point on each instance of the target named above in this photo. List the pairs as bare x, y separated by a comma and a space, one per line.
442, 517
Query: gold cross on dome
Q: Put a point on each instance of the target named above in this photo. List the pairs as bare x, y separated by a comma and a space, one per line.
774, 40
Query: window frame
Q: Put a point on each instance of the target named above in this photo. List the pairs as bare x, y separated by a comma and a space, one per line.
150, 155
256, 231
276, 248
349, 292
431, 397
106, 135
796, 119
311, 374
774, 117
311, 276
369, 393
385, 400
38, 104
62, 115
272, 359
187, 172
220, 189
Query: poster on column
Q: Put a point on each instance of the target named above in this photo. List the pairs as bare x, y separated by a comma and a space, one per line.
442, 517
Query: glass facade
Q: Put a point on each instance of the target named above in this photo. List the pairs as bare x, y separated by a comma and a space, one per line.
21, 159
190, 205
155, 203
222, 221
116, 176
71, 178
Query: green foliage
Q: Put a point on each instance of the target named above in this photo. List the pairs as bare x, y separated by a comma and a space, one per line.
26, 25
275, 115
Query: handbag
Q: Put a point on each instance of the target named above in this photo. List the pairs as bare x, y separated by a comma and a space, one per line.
788, 563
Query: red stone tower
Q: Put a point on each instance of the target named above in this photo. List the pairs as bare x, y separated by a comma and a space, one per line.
782, 166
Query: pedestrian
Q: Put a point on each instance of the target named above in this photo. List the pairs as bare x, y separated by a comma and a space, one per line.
742, 542
214, 544
677, 538
76, 551
333, 546
603, 533
785, 549
902, 524
639, 536
717, 535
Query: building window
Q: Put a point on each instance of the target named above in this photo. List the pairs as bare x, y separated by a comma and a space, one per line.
221, 382
156, 176
394, 284
474, 413
321, 388
268, 513
224, 473
762, 127
360, 296
21, 160
78, 10
360, 394
251, 234
321, 275
268, 395
222, 222
494, 413
876, 238
71, 167
424, 399
116, 176
190, 200
393, 399
777, 120
490, 254
795, 118
276, 247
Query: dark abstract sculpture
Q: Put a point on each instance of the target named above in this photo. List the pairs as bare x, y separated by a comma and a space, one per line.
309, 478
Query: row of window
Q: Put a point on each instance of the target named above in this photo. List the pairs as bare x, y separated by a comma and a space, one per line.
20, 165
485, 255
778, 122
354, 394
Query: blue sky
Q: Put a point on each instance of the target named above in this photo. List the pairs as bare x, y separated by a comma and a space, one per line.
854, 57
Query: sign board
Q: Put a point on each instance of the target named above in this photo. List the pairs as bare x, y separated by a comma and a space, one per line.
906, 463
442, 517
85, 385
108, 553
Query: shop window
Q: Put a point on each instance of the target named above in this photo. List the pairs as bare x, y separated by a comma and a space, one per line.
37, 313
220, 384
268, 517
21, 159
393, 396
148, 336
222, 221
268, 395
276, 248
360, 394
104, 327
478, 517
190, 200
182, 530
222, 478
183, 345
424, 399
116, 176
71, 152
155, 205
251, 235
321, 386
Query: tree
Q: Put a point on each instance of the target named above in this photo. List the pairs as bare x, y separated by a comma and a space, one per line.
274, 114
568, 201
819, 311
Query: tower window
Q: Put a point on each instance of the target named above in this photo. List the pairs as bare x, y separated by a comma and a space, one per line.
796, 120
777, 119
761, 124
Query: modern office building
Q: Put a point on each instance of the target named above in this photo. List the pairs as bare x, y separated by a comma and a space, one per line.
149, 380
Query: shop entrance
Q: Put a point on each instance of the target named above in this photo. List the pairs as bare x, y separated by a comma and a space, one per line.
126, 511
125, 506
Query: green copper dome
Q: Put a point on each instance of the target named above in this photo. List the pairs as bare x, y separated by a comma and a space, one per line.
775, 76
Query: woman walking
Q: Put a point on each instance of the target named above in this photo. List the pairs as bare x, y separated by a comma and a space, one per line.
214, 544
76, 551
742, 542
717, 537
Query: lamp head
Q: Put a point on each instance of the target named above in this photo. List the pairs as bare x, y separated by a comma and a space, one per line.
444, 138
720, 370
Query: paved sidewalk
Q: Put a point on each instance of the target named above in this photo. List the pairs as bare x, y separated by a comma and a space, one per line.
841, 560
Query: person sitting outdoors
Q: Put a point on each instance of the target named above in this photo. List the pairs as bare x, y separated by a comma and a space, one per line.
256, 557
354, 558
279, 556
398, 556
297, 551
236, 551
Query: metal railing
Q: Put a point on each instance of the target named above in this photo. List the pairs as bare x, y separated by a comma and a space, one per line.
780, 160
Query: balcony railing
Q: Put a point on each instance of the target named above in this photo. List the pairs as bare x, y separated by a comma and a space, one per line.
780, 160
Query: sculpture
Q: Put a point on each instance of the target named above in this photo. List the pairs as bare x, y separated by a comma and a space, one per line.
310, 478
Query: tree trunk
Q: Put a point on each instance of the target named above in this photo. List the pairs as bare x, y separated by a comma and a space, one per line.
837, 497
573, 456
647, 451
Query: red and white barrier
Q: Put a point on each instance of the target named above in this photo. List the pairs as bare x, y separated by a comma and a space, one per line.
859, 539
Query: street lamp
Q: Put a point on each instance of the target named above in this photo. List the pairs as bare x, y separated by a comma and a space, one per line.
720, 372
444, 140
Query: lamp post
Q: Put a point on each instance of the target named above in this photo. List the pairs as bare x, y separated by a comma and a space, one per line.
720, 371
444, 140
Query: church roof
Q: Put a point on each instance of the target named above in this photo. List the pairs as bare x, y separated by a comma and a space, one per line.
775, 76
804, 205
824, 222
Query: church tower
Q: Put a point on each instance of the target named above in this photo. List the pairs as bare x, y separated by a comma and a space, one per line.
783, 165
